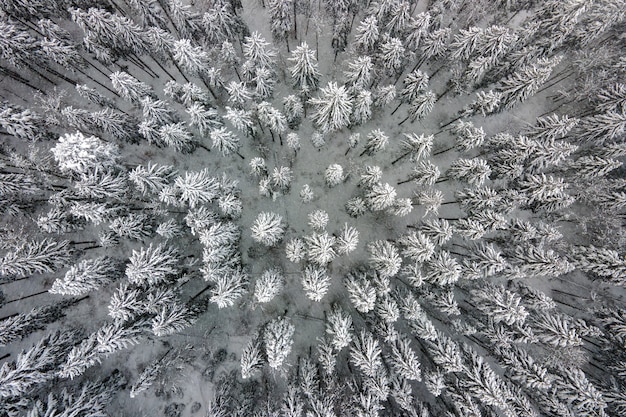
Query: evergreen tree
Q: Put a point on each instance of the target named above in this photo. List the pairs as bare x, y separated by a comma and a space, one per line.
177, 136
35, 257
320, 248
225, 141
315, 281
220, 22
362, 111
367, 34
604, 262
392, 55
129, 87
269, 285
193, 59
281, 12
360, 72
376, 141
34, 366
381, 197
21, 123
153, 265
278, 340
268, 229
80, 154
86, 276
255, 49
527, 80
384, 258
332, 108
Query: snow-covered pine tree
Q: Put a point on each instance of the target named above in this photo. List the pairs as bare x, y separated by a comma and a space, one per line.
361, 292
417, 30
421, 106
442, 269
157, 111
225, 141
22, 123
269, 285
238, 93
316, 282
278, 340
527, 80
86, 276
230, 286
552, 127
220, 23
293, 109
347, 240
339, 326
80, 154
203, 118
268, 228
129, 87
377, 140
256, 50
360, 72
171, 318
500, 304
35, 366
404, 360
318, 220
320, 248
152, 265
196, 188
384, 258
380, 197
367, 34
366, 354
604, 262
602, 128
392, 55
362, 110
35, 257
152, 178
333, 108
251, 360
416, 246
304, 70
473, 171
415, 83
535, 260
370, 176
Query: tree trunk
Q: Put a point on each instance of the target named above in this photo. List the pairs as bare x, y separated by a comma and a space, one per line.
404, 155
26, 296
396, 109
444, 151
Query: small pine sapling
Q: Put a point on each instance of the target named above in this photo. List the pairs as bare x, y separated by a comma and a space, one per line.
318, 220
306, 194
295, 250
334, 175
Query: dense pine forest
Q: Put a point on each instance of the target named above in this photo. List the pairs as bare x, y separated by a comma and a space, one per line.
312, 208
